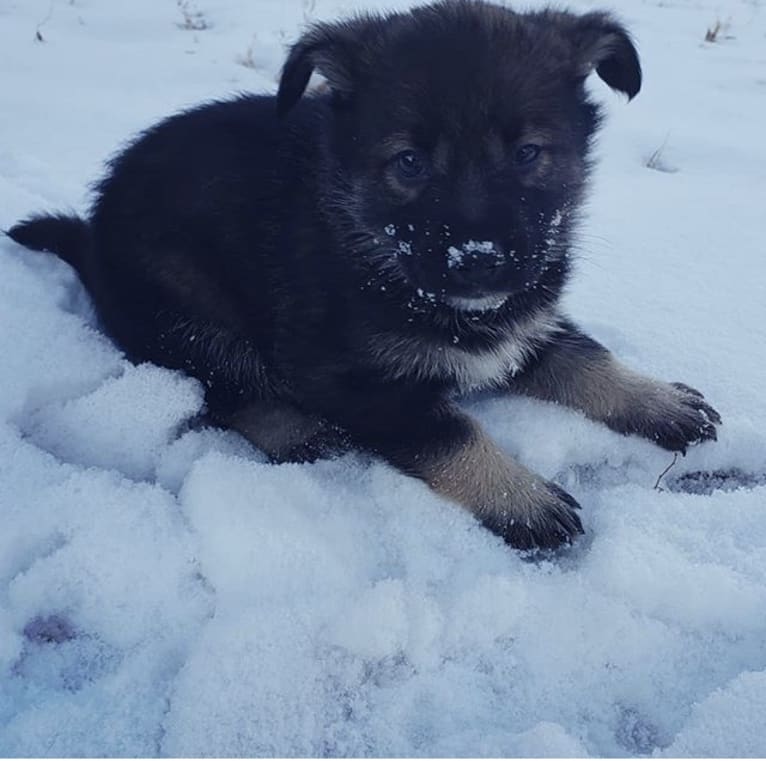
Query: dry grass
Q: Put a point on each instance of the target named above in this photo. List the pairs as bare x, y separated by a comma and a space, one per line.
193, 19
246, 59
657, 160
38, 34
719, 31
309, 6
714, 31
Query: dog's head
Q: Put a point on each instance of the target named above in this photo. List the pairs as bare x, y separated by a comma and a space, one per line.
458, 139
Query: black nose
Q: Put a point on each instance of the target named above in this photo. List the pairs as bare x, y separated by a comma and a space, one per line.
474, 264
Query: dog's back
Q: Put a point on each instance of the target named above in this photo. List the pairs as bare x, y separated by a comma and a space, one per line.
189, 253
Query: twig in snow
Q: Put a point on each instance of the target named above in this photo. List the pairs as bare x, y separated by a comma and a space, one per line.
665, 472
309, 6
719, 31
657, 159
38, 34
713, 31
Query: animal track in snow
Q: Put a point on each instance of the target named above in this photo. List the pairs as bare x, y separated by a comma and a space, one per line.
58, 656
707, 482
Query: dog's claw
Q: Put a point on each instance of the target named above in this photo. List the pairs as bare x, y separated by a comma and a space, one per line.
672, 415
555, 524
687, 420
688, 389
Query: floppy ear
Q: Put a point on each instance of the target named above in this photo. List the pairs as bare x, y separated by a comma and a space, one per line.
334, 50
604, 44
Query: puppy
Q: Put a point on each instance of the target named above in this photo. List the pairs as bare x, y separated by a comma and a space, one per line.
352, 260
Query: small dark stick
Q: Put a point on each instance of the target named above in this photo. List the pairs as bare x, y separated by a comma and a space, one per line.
664, 472
38, 34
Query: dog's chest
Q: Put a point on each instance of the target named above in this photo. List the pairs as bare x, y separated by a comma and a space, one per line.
414, 358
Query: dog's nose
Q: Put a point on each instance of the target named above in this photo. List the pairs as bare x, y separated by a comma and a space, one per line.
474, 263
475, 254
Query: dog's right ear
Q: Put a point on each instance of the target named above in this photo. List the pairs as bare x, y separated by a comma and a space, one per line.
336, 51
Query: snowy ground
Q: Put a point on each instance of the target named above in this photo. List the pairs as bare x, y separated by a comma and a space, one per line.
163, 591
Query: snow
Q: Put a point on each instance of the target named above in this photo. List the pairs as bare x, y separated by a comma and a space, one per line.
164, 591
456, 255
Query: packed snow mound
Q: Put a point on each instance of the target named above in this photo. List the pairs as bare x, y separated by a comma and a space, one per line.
165, 591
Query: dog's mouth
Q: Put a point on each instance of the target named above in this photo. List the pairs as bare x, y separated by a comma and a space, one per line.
476, 304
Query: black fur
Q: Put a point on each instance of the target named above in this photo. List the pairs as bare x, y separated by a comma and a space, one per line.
272, 246
66, 236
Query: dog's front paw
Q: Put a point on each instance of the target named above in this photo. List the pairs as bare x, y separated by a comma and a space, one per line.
539, 516
510, 500
674, 417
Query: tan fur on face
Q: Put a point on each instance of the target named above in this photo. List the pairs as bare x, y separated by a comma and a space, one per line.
394, 144
538, 172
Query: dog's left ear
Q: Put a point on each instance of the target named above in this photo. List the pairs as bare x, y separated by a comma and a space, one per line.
603, 44
336, 51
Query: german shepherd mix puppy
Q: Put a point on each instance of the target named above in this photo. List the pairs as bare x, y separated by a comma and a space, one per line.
353, 260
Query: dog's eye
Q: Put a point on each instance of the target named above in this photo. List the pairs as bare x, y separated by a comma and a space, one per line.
410, 165
527, 153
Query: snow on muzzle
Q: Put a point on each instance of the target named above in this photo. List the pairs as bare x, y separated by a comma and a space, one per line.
477, 266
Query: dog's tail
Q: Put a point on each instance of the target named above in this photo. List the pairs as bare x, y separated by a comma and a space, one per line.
66, 236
